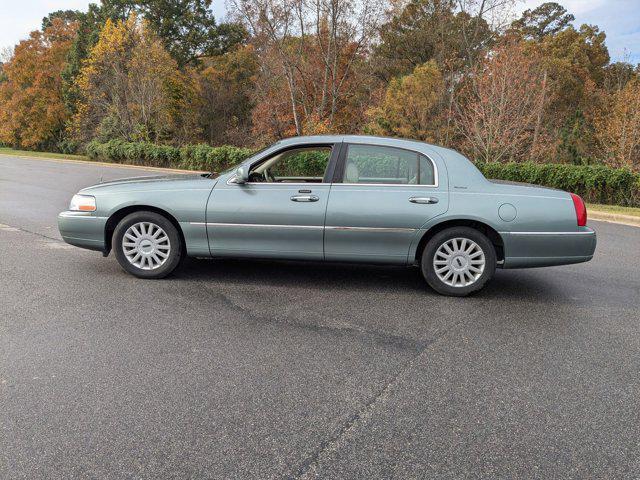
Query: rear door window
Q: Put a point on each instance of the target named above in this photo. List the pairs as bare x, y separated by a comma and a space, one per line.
376, 164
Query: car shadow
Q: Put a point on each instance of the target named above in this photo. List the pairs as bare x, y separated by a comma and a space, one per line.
303, 274
512, 284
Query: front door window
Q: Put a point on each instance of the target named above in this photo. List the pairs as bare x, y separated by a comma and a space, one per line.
306, 165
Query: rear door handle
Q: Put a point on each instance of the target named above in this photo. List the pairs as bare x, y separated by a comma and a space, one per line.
305, 198
423, 200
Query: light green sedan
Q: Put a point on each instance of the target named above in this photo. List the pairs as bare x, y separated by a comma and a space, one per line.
336, 199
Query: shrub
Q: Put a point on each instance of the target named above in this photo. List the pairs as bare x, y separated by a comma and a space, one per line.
190, 157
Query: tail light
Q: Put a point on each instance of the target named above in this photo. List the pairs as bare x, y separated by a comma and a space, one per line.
581, 210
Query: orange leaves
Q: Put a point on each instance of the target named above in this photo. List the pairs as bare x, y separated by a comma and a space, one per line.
129, 86
618, 127
32, 111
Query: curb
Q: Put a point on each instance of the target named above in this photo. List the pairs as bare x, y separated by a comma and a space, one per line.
629, 220
105, 164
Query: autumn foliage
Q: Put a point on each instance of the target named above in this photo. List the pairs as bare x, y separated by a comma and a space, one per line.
467, 75
501, 105
131, 88
32, 112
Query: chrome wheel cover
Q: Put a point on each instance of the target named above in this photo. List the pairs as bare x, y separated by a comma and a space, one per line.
146, 245
459, 262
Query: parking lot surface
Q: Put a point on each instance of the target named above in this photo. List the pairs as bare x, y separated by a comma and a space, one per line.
256, 369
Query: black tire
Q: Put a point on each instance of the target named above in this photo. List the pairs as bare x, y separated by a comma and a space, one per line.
458, 290
175, 252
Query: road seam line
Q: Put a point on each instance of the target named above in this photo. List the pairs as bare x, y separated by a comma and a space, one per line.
390, 340
307, 467
7, 227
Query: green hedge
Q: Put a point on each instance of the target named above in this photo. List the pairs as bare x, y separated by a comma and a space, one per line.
189, 157
594, 183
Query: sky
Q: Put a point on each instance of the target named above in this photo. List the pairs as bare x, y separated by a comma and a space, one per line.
620, 19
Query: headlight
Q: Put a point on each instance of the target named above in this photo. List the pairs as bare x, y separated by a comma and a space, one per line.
83, 203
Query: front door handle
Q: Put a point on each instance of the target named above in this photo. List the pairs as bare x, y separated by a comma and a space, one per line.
423, 200
305, 198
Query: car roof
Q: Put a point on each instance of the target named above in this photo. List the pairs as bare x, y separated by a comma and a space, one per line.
355, 139
460, 169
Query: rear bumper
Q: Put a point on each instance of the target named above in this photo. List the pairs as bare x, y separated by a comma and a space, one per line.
82, 230
545, 249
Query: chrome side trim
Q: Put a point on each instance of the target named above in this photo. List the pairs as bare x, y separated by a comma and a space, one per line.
548, 233
308, 227
374, 229
256, 225
79, 214
405, 185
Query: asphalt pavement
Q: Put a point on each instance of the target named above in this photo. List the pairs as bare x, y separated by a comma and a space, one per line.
257, 369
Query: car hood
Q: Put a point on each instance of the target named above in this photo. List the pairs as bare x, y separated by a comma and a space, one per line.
150, 182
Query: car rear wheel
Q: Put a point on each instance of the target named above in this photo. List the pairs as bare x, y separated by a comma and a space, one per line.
458, 261
147, 245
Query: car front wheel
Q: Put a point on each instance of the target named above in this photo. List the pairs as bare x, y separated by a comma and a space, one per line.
458, 261
147, 245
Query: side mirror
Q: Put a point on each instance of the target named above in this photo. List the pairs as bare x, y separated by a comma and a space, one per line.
242, 175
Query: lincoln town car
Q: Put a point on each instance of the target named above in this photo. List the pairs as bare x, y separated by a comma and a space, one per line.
351, 199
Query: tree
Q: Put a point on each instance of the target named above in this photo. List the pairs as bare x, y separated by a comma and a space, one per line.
308, 52
226, 86
574, 63
617, 75
187, 28
618, 128
547, 19
499, 105
88, 31
32, 112
425, 30
66, 16
130, 88
412, 106
484, 16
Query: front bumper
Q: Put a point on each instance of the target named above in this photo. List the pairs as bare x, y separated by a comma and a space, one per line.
83, 229
545, 249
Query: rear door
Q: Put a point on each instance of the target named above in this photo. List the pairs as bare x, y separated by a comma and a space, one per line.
280, 212
380, 197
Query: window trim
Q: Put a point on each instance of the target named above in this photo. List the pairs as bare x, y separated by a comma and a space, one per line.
326, 180
342, 162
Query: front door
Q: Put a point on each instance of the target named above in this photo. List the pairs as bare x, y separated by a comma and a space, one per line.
381, 198
279, 213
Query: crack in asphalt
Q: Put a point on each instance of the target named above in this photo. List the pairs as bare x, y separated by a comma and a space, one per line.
305, 468
386, 339
331, 444
21, 229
